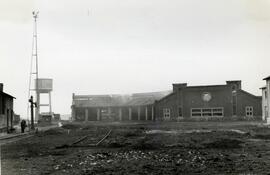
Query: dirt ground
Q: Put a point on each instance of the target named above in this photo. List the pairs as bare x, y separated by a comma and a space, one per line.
142, 148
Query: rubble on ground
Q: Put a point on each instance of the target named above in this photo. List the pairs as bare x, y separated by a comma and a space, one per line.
138, 150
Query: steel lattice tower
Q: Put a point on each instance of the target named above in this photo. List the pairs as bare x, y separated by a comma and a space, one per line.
33, 85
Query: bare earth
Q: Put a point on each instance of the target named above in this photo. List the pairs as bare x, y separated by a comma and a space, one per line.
142, 148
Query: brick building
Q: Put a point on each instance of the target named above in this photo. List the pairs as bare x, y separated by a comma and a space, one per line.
6, 110
203, 102
184, 102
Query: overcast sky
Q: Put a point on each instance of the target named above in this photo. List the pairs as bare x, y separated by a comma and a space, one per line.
125, 46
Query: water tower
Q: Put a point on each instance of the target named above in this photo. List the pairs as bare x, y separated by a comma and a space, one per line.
43, 86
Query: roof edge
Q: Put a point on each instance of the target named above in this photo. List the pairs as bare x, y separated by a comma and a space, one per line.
249, 93
172, 93
267, 78
7, 94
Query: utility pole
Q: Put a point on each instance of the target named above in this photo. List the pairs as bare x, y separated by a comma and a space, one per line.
32, 104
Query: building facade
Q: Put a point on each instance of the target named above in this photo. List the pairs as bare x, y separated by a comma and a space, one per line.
226, 101
203, 102
6, 110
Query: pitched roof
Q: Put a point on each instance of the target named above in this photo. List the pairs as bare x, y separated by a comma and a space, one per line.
267, 78
146, 98
247, 93
137, 99
5, 94
97, 100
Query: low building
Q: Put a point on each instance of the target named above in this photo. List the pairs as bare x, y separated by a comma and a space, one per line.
6, 110
203, 102
266, 100
138, 106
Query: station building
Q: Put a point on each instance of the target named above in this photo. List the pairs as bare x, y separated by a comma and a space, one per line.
204, 102
226, 101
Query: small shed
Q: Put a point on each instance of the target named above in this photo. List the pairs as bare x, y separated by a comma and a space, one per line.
6, 110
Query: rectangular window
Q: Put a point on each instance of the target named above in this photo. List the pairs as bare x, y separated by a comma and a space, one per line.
180, 114
166, 113
218, 112
196, 112
249, 111
80, 114
207, 112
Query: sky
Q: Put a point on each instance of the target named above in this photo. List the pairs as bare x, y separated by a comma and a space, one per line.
131, 46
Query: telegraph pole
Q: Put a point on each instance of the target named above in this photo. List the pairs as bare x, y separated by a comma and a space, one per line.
32, 112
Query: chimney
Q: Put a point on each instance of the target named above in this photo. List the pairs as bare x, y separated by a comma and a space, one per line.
235, 85
178, 86
1, 87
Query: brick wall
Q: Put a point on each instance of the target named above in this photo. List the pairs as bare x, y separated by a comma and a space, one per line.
220, 97
245, 99
167, 102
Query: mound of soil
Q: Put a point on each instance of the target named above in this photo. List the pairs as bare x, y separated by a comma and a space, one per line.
71, 126
132, 133
54, 131
262, 136
145, 144
89, 127
115, 144
224, 143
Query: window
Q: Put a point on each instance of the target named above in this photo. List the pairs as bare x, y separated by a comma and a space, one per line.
80, 114
180, 114
207, 112
196, 112
249, 111
166, 113
217, 112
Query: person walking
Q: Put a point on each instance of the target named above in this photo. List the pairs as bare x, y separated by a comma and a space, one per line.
23, 125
